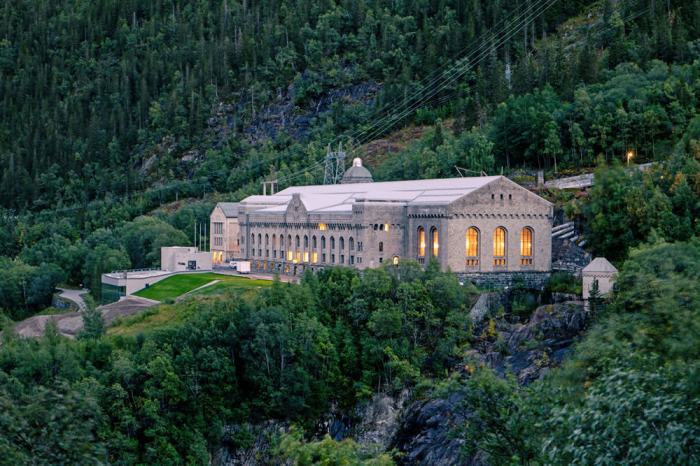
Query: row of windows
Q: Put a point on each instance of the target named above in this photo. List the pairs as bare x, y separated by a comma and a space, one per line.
218, 228
298, 242
500, 242
306, 256
500, 246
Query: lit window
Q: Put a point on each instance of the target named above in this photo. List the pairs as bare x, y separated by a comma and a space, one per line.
436, 243
472, 250
297, 257
386, 227
421, 242
526, 246
314, 258
499, 246
306, 257
322, 226
396, 260
289, 255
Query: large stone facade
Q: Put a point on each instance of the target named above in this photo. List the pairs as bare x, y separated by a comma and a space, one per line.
224, 233
366, 224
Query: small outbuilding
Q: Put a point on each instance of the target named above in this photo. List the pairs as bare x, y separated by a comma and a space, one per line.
600, 270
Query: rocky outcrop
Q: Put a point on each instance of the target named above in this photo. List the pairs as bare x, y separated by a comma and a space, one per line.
248, 444
528, 350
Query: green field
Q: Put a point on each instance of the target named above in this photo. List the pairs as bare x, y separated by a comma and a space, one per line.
178, 285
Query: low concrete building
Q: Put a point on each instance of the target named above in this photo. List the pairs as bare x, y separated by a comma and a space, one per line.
224, 233
598, 271
183, 258
173, 260
488, 229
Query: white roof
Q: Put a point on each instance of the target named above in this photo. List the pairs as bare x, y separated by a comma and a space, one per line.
600, 265
340, 197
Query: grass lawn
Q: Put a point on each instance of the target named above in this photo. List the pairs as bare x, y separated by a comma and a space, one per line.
177, 285
170, 314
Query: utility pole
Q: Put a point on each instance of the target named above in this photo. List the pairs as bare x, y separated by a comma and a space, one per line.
335, 165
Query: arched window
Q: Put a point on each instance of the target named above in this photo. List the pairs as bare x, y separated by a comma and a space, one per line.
306, 241
313, 242
267, 240
342, 243
499, 246
434, 242
323, 242
289, 241
421, 242
472, 249
351, 244
332, 243
296, 241
259, 239
526, 246
281, 241
252, 238
274, 241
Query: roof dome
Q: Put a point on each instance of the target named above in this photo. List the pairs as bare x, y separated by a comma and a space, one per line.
357, 173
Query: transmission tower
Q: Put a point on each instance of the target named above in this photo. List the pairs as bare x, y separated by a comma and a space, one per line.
335, 165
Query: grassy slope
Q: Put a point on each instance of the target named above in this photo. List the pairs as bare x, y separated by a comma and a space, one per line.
177, 285
172, 314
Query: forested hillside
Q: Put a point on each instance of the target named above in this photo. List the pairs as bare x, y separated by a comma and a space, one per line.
91, 90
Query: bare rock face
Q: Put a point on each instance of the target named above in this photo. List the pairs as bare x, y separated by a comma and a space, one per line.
528, 350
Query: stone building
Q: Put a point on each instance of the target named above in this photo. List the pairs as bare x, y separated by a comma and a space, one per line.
484, 228
599, 271
224, 233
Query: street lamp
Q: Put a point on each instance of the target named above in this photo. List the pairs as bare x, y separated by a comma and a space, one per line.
630, 154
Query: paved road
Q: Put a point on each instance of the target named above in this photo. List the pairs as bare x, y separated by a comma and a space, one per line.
75, 296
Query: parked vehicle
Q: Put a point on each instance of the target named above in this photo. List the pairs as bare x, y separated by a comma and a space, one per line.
240, 266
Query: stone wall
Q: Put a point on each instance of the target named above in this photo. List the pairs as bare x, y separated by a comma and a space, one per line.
568, 257
500, 280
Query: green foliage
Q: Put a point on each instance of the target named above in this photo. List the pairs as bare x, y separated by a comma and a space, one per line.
562, 282
144, 237
25, 288
326, 452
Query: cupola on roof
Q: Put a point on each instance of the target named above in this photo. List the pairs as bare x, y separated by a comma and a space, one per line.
357, 173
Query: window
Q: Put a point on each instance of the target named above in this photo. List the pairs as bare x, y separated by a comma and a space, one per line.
352, 260
386, 227
526, 246
289, 255
297, 257
499, 247
421, 242
342, 243
313, 242
281, 241
306, 241
323, 257
381, 246
359, 245
435, 242
381, 227
332, 258
332, 243
323, 242
351, 244
472, 250
252, 238
395, 260
296, 241
381, 260
218, 228
314, 258
322, 226
376, 227
274, 241
259, 239
306, 256
342, 258
289, 241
